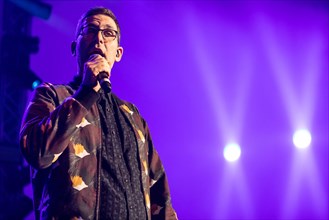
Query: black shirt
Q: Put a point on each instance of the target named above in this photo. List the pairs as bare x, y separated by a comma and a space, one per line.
121, 195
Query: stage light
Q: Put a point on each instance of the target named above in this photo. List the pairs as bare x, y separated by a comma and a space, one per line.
28, 79
232, 152
35, 84
302, 138
34, 7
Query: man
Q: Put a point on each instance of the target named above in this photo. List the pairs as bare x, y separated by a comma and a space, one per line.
91, 153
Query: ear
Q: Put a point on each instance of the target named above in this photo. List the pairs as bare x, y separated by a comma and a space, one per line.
119, 54
73, 48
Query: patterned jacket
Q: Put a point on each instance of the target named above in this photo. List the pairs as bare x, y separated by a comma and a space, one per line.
61, 139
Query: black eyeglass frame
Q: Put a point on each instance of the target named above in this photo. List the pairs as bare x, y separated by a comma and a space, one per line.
96, 30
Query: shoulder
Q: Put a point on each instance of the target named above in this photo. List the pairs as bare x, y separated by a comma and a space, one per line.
47, 86
57, 92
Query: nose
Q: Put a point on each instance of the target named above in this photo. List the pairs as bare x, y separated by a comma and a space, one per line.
100, 37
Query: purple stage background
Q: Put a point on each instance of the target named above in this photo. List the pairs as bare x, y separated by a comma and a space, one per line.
207, 73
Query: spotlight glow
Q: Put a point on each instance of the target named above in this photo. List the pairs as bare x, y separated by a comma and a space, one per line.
302, 138
232, 152
35, 84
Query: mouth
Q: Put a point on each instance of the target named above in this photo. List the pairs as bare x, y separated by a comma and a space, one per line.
97, 51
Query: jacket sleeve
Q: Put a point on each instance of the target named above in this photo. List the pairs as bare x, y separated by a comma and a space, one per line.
161, 206
47, 126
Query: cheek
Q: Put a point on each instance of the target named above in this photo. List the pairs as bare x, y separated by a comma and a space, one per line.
111, 54
81, 51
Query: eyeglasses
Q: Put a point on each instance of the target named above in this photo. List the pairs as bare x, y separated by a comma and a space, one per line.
91, 31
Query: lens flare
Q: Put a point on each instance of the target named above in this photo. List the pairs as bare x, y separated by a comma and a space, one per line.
35, 84
302, 138
232, 152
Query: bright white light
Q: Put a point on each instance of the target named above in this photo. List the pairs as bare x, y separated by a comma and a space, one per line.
232, 152
302, 138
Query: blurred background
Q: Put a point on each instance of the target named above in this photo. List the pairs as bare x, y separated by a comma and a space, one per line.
235, 94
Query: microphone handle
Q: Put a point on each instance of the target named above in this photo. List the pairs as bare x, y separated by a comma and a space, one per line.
105, 82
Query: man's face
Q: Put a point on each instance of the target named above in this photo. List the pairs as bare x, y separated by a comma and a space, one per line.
88, 44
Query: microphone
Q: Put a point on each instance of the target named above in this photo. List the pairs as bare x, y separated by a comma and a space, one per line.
104, 81
103, 78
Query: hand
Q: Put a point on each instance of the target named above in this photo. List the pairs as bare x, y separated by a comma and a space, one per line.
95, 65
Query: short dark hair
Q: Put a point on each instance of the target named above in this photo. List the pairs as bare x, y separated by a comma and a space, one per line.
96, 11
